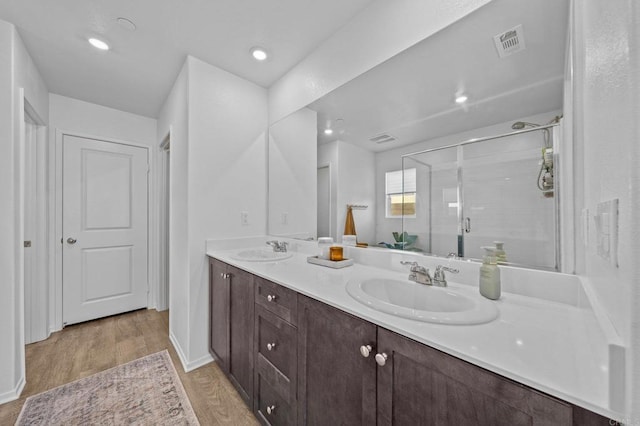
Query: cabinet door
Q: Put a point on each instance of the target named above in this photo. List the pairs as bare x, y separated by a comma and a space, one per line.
241, 311
219, 313
419, 385
336, 385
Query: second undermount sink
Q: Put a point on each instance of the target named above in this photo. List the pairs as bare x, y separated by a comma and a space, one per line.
261, 255
422, 302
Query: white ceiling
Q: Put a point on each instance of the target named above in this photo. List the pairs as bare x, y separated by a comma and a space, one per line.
139, 70
411, 96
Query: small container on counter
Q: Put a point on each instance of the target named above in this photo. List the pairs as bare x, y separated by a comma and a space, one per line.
335, 253
349, 240
324, 244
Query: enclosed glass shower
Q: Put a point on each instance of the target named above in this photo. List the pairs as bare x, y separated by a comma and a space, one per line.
497, 189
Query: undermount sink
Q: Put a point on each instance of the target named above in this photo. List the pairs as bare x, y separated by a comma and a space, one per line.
261, 255
422, 302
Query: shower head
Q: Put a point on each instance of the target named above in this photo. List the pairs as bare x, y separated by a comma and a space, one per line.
519, 125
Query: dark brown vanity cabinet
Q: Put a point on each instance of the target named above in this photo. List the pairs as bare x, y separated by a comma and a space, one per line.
336, 385
298, 361
231, 315
418, 385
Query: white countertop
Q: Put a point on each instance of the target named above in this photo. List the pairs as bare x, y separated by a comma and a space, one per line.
557, 348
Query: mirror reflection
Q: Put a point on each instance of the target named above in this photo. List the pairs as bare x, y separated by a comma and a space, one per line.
502, 64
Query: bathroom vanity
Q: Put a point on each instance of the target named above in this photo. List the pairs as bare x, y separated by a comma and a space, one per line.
296, 359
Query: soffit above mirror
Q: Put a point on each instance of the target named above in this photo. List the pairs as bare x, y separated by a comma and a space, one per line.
411, 97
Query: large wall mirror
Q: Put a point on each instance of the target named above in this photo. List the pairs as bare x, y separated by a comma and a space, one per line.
415, 159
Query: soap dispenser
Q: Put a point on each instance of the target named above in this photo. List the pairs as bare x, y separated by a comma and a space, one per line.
490, 275
501, 255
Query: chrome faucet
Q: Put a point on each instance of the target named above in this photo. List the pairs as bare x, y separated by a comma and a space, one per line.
278, 246
438, 276
417, 273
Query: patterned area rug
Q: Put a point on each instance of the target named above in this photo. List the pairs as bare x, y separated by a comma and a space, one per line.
146, 391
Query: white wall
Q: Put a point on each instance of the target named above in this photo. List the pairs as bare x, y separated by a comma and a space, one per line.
221, 165
607, 104
174, 119
356, 185
84, 118
20, 81
376, 34
293, 175
352, 175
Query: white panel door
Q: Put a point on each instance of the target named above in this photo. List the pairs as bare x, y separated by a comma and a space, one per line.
104, 225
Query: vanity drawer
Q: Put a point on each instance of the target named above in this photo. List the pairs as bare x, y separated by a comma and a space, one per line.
276, 341
271, 408
277, 299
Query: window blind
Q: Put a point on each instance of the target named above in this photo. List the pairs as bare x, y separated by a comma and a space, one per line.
393, 181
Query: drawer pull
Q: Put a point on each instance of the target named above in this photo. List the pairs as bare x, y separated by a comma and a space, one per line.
365, 350
271, 409
271, 346
381, 359
271, 297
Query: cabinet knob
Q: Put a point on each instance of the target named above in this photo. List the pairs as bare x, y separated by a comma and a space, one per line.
365, 350
271, 297
381, 359
271, 409
271, 346
221, 274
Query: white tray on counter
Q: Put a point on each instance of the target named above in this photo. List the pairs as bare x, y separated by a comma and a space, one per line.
335, 264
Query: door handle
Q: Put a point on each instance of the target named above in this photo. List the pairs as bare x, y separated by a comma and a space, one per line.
71, 240
467, 224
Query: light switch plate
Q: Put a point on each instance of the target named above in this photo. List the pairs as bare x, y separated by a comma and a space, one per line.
606, 219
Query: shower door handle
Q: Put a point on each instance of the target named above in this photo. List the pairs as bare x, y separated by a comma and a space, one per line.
467, 224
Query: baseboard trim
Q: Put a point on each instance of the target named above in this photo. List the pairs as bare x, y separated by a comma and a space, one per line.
178, 348
186, 365
199, 363
13, 394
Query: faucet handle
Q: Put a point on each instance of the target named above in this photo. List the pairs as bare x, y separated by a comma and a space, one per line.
278, 246
441, 268
438, 275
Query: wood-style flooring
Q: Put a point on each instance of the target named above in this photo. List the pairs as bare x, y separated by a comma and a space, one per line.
84, 349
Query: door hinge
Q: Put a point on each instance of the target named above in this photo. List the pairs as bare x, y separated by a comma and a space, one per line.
148, 168
27, 243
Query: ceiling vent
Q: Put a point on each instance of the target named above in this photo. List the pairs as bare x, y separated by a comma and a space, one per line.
384, 138
510, 41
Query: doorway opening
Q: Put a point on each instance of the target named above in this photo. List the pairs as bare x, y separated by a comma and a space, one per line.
324, 201
165, 197
35, 230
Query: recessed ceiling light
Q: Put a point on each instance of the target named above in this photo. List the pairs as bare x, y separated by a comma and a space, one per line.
328, 131
258, 53
98, 44
461, 99
127, 24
